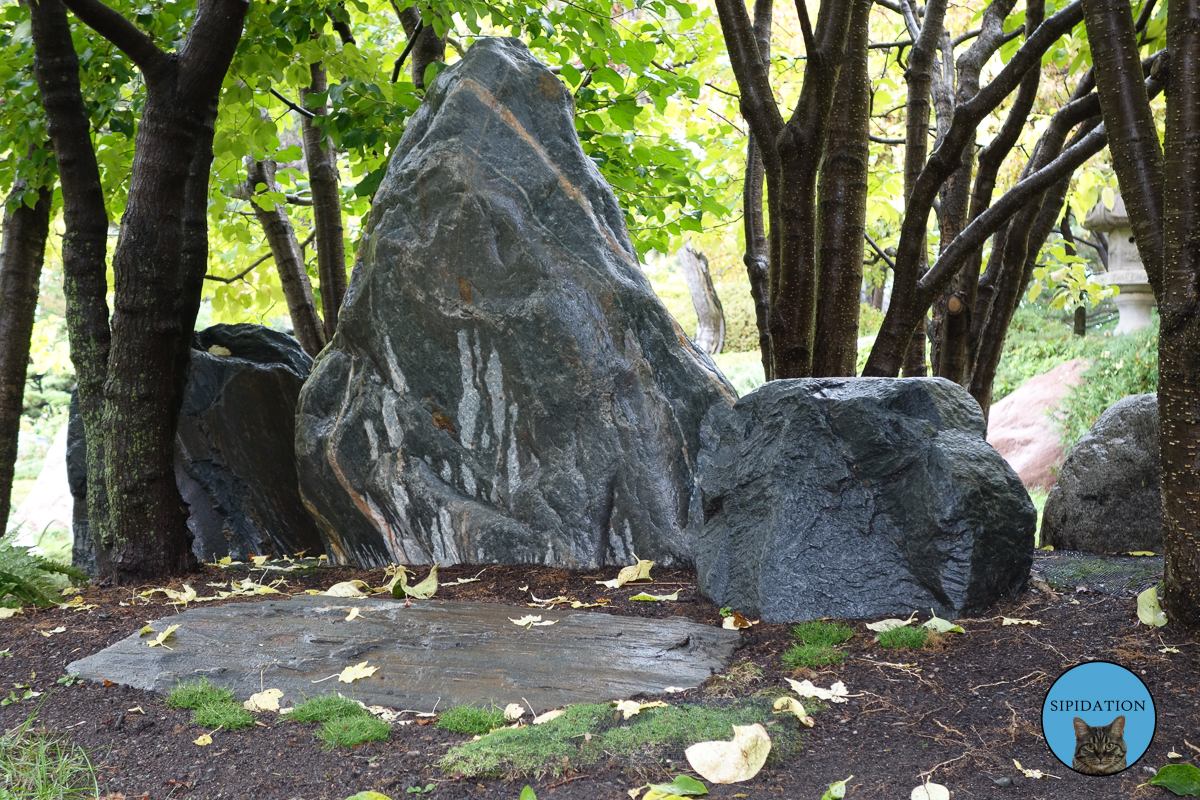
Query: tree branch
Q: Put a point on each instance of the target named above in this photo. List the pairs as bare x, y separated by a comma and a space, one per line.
113, 25
304, 112
753, 78
408, 48
250, 268
810, 44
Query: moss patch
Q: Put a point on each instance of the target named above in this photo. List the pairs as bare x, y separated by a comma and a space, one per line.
470, 720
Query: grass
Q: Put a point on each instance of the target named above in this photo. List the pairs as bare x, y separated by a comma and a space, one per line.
818, 641
351, 731
43, 766
588, 733
470, 720
212, 706
907, 637
327, 707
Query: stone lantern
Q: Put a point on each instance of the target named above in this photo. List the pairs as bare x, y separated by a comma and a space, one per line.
1125, 269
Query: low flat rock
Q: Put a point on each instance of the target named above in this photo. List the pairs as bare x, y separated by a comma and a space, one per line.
441, 653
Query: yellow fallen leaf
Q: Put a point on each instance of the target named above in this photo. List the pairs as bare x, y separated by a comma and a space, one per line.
890, 624
422, 591
162, 638
1148, 610
549, 715
226, 561
794, 706
635, 572
354, 613
630, 708
70, 590
1173, 754
1036, 774
1141, 553
49, 633
930, 791
1015, 621
348, 589
656, 598
351, 674
218, 350
260, 560
733, 761
5, 613
1168, 649
578, 604
529, 621
513, 712
267, 700
1048, 547
146, 631
837, 693
138, 709
204, 740
248, 586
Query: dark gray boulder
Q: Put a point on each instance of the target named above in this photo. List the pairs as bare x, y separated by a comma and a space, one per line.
1108, 498
504, 386
234, 457
857, 497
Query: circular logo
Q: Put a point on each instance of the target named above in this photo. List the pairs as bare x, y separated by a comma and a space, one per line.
1098, 718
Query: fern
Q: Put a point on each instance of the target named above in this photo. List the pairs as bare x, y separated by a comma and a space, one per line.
29, 577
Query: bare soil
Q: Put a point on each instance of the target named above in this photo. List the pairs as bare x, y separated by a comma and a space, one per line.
957, 712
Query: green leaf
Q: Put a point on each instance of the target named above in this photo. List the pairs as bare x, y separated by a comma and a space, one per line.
836, 790
527, 794
940, 625
1180, 779
683, 785
1149, 611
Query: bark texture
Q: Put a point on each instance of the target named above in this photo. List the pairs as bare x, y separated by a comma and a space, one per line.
710, 317
22, 249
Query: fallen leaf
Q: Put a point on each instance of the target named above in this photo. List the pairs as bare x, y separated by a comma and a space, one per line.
1173, 754
1168, 649
940, 625
70, 590
138, 709
267, 700
351, 674
736, 621
146, 631
162, 638
837, 693
529, 621
422, 591
1015, 621
1181, 779
885, 625
5, 613
733, 761
248, 586
354, 613
930, 791
218, 350
1047, 547
632, 707
260, 560
513, 712
369, 796
1036, 774
549, 715
682, 786
794, 706
635, 572
675, 689
226, 561
1148, 609
204, 740
348, 589
656, 597
52, 631
836, 790
1141, 553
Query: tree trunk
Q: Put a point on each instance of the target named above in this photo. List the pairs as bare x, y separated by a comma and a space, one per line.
327, 206
22, 249
85, 240
289, 261
710, 318
843, 206
429, 48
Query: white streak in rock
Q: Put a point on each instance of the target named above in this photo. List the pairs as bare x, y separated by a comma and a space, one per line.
372, 439
494, 379
398, 381
391, 422
469, 481
468, 406
513, 465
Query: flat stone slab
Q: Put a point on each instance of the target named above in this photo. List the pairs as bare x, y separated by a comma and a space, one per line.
441, 653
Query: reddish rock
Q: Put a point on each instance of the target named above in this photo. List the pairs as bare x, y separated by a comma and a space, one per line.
1021, 429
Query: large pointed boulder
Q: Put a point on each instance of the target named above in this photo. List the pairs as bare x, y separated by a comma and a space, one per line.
504, 386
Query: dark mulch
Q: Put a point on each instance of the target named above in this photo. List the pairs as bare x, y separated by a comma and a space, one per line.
959, 712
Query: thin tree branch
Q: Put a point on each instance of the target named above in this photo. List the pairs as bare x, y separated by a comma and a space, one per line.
250, 268
412, 42
879, 250
810, 44
885, 140
890, 45
304, 112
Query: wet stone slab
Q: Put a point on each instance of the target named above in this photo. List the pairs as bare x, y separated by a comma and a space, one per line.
436, 652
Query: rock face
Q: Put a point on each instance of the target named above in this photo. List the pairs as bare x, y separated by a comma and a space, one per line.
857, 498
462, 653
1021, 429
234, 458
503, 385
1108, 496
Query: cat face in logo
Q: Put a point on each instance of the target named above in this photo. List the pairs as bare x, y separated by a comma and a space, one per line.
1099, 750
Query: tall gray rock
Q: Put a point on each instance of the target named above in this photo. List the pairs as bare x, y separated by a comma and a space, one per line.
234, 461
1108, 498
504, 386
857, 497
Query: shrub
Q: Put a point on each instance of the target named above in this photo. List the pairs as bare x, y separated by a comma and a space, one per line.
470, 720
30, 578
1127, 365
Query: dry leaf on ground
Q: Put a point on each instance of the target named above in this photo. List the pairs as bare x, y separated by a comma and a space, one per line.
635, 572
5, 613
351, 674
529, 621
204, 740
549, 715
734, 761
162, 638
736, 621
1015, 621
930, 791
52, 631
794, 706
837, 693
657, 598
513, 712
348, 589
267, 700
1148, 610
354, 613
632, 707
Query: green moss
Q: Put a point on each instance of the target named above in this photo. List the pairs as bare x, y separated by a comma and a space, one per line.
905, 637
351, 731
827, 634
590, 733
327, 707
193, 694
812, 656
470, 720
227, 715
